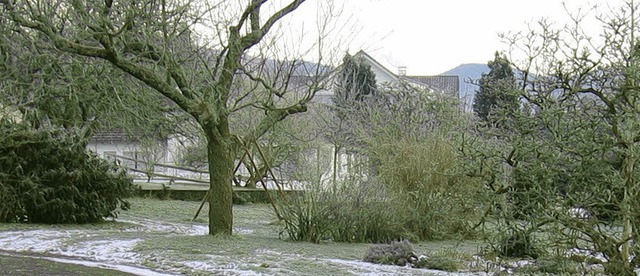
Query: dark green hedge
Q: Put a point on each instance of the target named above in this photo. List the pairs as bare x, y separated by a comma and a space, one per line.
47, 176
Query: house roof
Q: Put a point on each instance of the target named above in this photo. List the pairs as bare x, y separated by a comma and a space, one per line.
121, 135
448, 84
374, 63
112, 136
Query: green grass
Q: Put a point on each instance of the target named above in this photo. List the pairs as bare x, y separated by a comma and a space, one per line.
27, 266
260, 249
255, 246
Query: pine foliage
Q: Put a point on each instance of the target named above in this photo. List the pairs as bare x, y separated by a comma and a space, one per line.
355, 82
47, 176
496, 90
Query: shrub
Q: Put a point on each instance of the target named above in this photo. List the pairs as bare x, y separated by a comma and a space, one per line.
402, 253
517, 244
304, 218
447, 259
364, 213
417, 195
47, 176
395, 253
422, 175
354, 212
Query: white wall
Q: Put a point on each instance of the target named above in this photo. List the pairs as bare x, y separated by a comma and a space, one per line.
119, 148
382, 76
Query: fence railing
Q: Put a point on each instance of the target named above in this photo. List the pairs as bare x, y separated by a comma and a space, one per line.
154, 170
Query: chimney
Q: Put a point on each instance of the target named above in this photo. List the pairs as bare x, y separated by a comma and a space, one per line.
402, 71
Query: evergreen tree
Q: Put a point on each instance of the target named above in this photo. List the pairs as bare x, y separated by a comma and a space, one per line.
495, 92
355, 82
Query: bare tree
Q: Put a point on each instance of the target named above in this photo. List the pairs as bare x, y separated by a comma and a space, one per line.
156, 43
572, 152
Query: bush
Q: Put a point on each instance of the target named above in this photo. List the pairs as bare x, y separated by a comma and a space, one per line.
47, 176
402, 254
304, 218
422, 175
357, 212
417, 196
518, 244
396, 253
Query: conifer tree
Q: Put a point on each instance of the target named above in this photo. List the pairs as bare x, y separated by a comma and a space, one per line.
355, 82
495, 90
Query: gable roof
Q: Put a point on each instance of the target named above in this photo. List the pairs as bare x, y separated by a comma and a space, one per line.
447, 84
374, 63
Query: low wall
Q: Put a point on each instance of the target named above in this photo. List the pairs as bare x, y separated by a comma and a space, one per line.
239, 197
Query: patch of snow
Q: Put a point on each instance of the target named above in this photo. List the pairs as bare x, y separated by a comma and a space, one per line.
40, 241
498, 265
119, 267
123, 268
101, 248
579, 213
190, 229
366, 268
113, 251
588, 253
243, 231
104, 248
166, 227
61, 243
521, 263
230, 268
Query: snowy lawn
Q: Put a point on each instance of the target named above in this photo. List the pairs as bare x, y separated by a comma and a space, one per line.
157, 237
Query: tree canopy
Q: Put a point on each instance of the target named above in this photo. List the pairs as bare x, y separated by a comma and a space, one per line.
156, 43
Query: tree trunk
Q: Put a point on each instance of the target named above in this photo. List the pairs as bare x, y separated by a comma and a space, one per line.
219, 149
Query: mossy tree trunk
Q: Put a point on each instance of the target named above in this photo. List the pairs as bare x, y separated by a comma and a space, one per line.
221, 163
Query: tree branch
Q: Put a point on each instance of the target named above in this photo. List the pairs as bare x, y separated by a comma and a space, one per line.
59, 42
256, 35
273, 116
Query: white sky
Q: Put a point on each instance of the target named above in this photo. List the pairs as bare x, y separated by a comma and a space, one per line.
432, 36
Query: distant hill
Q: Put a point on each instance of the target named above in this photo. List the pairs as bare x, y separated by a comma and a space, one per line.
468, 73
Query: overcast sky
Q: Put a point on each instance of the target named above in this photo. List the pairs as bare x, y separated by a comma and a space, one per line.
430, 37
